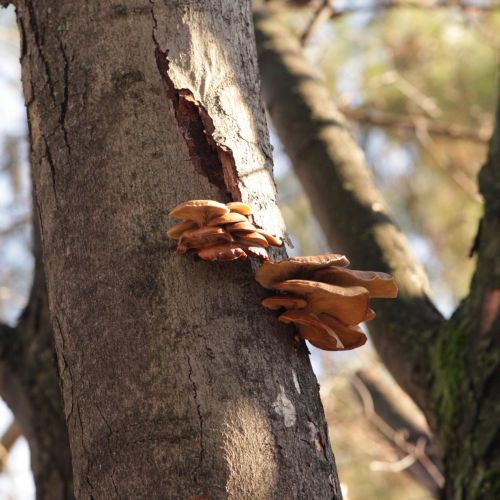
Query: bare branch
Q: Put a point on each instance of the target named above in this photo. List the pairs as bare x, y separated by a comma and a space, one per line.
7, 441
322, 15
415, 123
15, 226
413, 444
466, 7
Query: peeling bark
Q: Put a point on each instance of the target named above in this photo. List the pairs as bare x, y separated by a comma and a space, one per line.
170, 368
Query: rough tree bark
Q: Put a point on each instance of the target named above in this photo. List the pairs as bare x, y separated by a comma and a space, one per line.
450, 368
176, 383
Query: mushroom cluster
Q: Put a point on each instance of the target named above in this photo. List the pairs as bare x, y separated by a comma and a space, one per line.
217, 231
325, 300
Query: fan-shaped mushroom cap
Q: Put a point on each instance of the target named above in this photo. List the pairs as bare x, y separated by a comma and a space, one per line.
379, 285
253, 239
271, 239
253, 251
203, 237
176, 231
227, 251
370, 314
241, 227
351, 336
274, 272
286, 301
199, 211
348, 304
229, 218
314, 330
239, 207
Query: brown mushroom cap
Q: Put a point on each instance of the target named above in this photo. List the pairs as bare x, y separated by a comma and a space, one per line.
348, 304
274, 272
253, 251
229, 218
253, 239
176, 231
224, 252
351, 336
313, 330
271, 239
203, 237
241, 227
370, 314
239, 207
286, 301
379, 285
199, 211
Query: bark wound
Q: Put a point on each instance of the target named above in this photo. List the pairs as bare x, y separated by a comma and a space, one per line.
209, 157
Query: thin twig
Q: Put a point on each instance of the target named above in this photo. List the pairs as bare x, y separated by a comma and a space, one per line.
16, 225
7, 441
414, 452
413, 123
386, 5
322, 15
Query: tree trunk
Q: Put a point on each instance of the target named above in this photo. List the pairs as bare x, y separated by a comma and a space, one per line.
176, 383
30, 386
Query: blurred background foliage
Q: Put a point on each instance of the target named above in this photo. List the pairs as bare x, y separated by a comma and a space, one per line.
419, 84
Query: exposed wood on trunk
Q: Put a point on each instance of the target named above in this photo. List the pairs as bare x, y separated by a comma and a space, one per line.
175, 380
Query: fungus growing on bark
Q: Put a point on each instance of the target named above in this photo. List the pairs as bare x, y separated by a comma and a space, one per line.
215, 231
326, 300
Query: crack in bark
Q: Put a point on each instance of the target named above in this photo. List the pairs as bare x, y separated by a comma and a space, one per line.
64, 104
209, 157
50, 161
198, 411
112, 475
39, 44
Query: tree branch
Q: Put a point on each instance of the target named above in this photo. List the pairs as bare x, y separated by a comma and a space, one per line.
7, 441
415, 124
349, 207
387, 5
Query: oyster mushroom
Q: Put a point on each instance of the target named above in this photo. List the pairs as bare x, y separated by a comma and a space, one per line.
274, 272
176, 231
286, 301
349, 304
228, 218
203, 237
224, 252
199, 211
239, 207
312, 329
379, 285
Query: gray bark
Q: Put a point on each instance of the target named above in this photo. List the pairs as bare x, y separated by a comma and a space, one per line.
176, 382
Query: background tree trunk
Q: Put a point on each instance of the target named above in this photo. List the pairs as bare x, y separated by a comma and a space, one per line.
29, 384
450, 368
176, 382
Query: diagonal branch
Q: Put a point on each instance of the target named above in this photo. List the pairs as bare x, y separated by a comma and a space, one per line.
348, 205
415, 123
